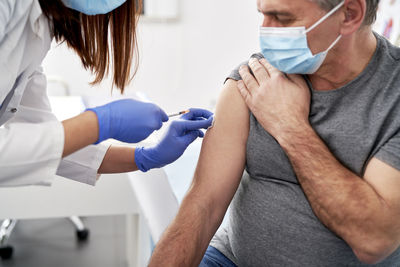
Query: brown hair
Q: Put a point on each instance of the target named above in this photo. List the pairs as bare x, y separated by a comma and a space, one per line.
89, 37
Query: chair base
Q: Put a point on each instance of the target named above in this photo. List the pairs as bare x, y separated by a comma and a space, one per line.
82, 235
6, 252
6, 228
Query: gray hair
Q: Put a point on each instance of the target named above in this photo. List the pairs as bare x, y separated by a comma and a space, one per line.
370, 16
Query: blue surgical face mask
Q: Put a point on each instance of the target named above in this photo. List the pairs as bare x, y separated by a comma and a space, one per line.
93, 7
286, 48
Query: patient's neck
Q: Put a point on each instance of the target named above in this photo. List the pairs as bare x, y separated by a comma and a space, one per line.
346, 61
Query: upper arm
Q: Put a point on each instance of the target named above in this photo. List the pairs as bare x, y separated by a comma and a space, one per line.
223, 153
386, 182
382, 172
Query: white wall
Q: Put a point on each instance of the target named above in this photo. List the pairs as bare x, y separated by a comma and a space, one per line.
182, 63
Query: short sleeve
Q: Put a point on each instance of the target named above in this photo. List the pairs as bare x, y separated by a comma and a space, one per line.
390, 152
234, 75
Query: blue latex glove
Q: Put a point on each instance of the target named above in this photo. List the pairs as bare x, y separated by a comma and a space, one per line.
179, 136
128, 120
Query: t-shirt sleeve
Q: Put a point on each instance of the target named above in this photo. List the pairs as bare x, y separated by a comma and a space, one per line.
234, 75
390, 152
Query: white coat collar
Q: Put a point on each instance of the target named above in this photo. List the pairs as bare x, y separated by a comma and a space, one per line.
35, 19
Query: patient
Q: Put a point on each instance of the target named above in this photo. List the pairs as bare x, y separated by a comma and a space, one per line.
330, 199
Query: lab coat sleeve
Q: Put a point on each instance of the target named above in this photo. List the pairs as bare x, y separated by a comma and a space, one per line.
6, 10
82, 166
30, 152
36, 136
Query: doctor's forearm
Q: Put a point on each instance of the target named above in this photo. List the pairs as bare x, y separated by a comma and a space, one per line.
118, 160
79, 132
82, 131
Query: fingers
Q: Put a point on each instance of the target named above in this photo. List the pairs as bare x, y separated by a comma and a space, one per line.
297, 79
248, 79
260, 72
201, 134
188, 125
212, 123
246, 94
164, 116
196, 113
189, 137
271, 69
159, 125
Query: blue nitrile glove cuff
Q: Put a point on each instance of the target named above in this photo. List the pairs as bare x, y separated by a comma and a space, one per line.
103, 120
144, 159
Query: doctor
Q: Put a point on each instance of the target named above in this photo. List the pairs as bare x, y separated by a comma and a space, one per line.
34, 146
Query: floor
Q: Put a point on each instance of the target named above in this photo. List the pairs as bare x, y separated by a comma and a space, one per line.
53, 242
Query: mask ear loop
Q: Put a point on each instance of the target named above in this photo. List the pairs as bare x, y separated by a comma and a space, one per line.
334, 43
325, 17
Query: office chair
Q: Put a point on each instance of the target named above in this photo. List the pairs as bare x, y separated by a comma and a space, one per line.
7, 226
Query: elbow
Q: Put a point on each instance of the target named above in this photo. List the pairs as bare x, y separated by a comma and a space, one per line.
375, 251
368, 257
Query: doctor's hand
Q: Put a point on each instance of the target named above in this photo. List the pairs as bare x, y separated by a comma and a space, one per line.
128, 120
281, 103
180, 134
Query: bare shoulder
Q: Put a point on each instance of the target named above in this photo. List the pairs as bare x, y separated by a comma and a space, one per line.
223, 153
231, 112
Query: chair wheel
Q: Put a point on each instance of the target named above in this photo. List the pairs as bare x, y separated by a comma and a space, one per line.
6, 252
82, 235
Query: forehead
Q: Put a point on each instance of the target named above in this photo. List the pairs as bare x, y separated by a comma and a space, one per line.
294, 7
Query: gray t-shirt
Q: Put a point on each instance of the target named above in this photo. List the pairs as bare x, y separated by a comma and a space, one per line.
271, 223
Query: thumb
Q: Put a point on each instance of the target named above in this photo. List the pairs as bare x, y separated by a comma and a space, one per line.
297, 79
164, 116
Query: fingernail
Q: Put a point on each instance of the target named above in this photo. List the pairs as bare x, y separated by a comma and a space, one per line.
212, 124
252, 60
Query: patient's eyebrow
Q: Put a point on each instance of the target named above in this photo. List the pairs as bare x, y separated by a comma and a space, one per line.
276, 13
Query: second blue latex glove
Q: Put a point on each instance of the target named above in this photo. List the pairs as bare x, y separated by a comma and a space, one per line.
181, 133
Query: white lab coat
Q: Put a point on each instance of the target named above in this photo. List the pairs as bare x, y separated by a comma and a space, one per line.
31, 138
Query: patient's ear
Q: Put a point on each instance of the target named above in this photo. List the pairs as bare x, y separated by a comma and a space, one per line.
353, 14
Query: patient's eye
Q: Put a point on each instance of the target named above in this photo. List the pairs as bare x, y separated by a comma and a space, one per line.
284, 20
278, 17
